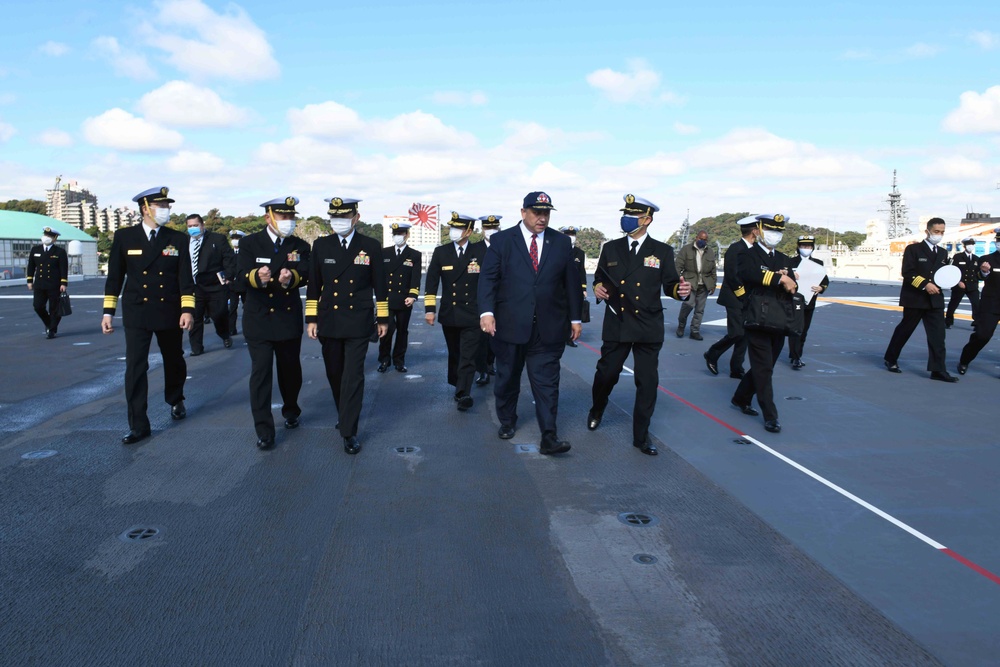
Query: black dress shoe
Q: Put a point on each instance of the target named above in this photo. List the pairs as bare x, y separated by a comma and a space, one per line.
745, 409
737, 375
594, 419
797, 364
195, 353
383, 367
892, 367
464, 402
947, 326
646, 448
50, 334
505, 432
292, 422
571, 343
943, 376
552, 445
492, 370
351, 445
962, 368
694, 336
400, 368
482, 379
177, 411
227, 343
773, 426
234, 332
713, 366
265, 443
133, 437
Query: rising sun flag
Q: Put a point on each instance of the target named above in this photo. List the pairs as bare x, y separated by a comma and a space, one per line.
422, 215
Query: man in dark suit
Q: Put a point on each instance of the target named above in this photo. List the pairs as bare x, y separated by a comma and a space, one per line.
152, 262
213, 265
796, 342
968, 263
485, 358
763, 269
731, 298
47, 274
989, 307
346, 302
235, 236
922, 300
401, 264
272, 267
636, 267
580, 258
530, 297
457, 266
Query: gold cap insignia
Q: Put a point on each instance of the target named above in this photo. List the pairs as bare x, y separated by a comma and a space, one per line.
629, 199
491, 218
395, 225
47, 230
454, 216
779, 218
164, 191
337, 201
289, 201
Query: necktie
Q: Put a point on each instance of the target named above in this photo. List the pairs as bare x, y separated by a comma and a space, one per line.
534, 251
343, 242
277, 244
398, 252
195, 249
635, 246
461, 249
152, 235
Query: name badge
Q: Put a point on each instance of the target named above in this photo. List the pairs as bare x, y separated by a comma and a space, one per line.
362, 259
263, 260
329, 261
921, 259
135, 252
612, 263
387, 259
38, 254
170, 251
652, 262
961, 263
447, 268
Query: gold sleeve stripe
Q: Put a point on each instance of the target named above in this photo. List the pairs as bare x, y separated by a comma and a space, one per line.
64, 280
415, 291
295, 279
381, 309
312, 307
918, 281
187, 301
768, 277
740, 291
676, 293
111, 302
430, 300
252, 277
598, 284
30, 278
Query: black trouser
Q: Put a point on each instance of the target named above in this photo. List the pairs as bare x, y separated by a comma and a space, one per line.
264, 355
764, 349
344, 359
40, 297
137, 341
463, 347
485, 357
218, 310
956, 298
735, 337
543, 373
933, 319
797, 341
645, 361
234, 308
986, 325
399, 323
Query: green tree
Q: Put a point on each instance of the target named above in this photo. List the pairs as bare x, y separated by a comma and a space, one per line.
24, 205
590, 241
374, 231
93, 231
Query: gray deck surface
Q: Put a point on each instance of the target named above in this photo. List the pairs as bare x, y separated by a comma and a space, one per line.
470, 551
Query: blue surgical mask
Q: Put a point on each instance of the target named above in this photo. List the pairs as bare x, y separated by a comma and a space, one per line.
194, 231
701, 243
629, 223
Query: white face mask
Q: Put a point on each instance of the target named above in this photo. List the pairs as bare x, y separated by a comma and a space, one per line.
456, 234
398, 240
161, 215
970, 249
772, 238
487, 233
341, 226
236, 244
934, 239
805, 252
47, 240
285, 228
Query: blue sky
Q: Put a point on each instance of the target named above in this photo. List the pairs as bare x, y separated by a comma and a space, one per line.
710, 107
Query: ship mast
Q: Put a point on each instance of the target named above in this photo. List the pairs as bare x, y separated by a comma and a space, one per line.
685, 230
897, 211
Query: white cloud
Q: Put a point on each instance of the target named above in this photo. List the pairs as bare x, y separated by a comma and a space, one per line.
985, 39
328, 119
183, 104
56, 138
195, 162
684, 129
976, 114
419, 130
54, 49
456, 98
124, 62
118, 129
6, 131
922, 50
207, 44
640, 84
955, 168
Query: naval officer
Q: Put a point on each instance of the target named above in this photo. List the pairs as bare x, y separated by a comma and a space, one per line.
235, 236
968, 263
731, 298
580, 258
401, 264
47, 274
271, 269
797, 342
152, 263
456, 266
988, 314
485, 359
635, 268
346, 302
